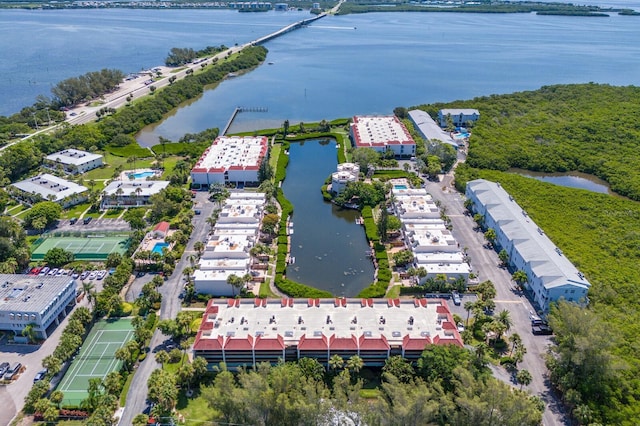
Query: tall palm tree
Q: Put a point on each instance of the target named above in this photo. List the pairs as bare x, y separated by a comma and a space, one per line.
515, 340
504, 317
355, 364
336, 362
523, 377
468, 306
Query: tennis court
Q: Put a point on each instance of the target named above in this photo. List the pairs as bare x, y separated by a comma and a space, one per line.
88, 247
96, 359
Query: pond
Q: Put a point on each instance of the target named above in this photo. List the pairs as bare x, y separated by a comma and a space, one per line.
329, 248
570, 180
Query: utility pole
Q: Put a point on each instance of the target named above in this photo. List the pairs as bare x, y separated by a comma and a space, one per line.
35, 120
48, 118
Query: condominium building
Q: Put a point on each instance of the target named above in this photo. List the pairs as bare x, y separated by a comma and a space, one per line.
46, 187
41, 301
551, 276
249, 331
73, 161
382, 134
231, 160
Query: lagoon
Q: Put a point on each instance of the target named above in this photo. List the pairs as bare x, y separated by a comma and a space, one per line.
329, 247
571, 180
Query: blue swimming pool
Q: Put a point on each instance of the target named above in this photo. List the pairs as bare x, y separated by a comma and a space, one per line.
399, 186
158, 247
141, 175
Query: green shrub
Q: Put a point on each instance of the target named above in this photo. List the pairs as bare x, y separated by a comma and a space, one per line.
294, 289
142, 356
126, 309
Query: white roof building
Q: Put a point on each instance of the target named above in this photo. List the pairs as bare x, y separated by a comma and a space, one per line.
382, 133
459, 116
74, 161
43, 301
231, 159
551, 275
46, 187
346, 172
249, 331
133, 193
429, 129
228, 250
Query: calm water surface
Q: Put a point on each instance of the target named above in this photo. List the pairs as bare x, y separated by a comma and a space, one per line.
570, 180
330, 249
370, 63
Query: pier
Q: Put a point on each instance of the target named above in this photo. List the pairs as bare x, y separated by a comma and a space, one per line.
238, 110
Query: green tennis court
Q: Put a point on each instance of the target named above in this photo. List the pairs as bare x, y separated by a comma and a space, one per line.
90, 247
96, 359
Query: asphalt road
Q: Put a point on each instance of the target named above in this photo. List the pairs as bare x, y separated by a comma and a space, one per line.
171, 304
485, 262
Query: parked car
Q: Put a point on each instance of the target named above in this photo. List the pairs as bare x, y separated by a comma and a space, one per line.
53, 272
456, 298
40, 375
44, 271
73, 220
542, 329
86, 220
3, 368
101, 274
61, 272
92, 276
197, 211
12, 371
84, 275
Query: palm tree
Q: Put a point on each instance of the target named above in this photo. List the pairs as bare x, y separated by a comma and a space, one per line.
515, 340
88, 288
162, 357
138, 192
29, 331
235, 282
504, 317
523, 377
355, 364
520, 278
198, 246
468, 306
336, 362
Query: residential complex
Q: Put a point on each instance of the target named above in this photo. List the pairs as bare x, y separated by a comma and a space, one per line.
249, 331
429, 129
551, 276
123, 194
382, 134
347, 172
73, 161
426, 235
231, 160
459, 117
46, 187
41, 301
227, 250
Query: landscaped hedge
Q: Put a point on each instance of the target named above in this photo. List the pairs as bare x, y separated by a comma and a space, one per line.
370, 228
294, 289
378, 288
281, 169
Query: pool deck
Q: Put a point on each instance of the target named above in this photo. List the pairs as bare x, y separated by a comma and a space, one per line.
126, 175
149, 241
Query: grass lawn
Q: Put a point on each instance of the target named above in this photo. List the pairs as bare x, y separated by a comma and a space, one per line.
74, 211
195, 410
265, 291
369, 393
21, 214
273, 156
394, 292
129, 151
125, 390
15, 209
112, 214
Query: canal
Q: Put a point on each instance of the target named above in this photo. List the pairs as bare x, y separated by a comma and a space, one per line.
328, 246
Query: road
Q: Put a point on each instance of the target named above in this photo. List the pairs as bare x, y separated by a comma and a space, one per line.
171, 304
485, 262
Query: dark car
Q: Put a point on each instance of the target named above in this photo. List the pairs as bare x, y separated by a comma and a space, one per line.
86, 220
541, 329
73, 220
40, 375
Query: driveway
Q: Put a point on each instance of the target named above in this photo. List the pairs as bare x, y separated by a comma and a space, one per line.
485, 263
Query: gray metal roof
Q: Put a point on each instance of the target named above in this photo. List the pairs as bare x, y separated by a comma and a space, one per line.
458, 111
30, 293
46, 184
429, 128
546, 260
73, 156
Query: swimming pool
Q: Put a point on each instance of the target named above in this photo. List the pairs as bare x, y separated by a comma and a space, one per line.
399, 186
158, 247
141, 175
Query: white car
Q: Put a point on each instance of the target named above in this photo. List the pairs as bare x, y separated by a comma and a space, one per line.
92, 276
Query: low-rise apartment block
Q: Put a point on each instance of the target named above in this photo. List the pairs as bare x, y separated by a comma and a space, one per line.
382, 134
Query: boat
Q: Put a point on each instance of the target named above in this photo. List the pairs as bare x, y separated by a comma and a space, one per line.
270, 63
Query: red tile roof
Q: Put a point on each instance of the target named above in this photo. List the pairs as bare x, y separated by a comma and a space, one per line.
415, 343
343, 343
162, 227
207, 344
312, 343
373, 343
239, 343
269, 344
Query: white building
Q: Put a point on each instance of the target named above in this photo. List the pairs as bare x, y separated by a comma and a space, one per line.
346, 172
382, 133
459, 116
73, 161
429, 129
249, 331
227, 252
46, 187
551, 275
123, 194
231, 160
31, 299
